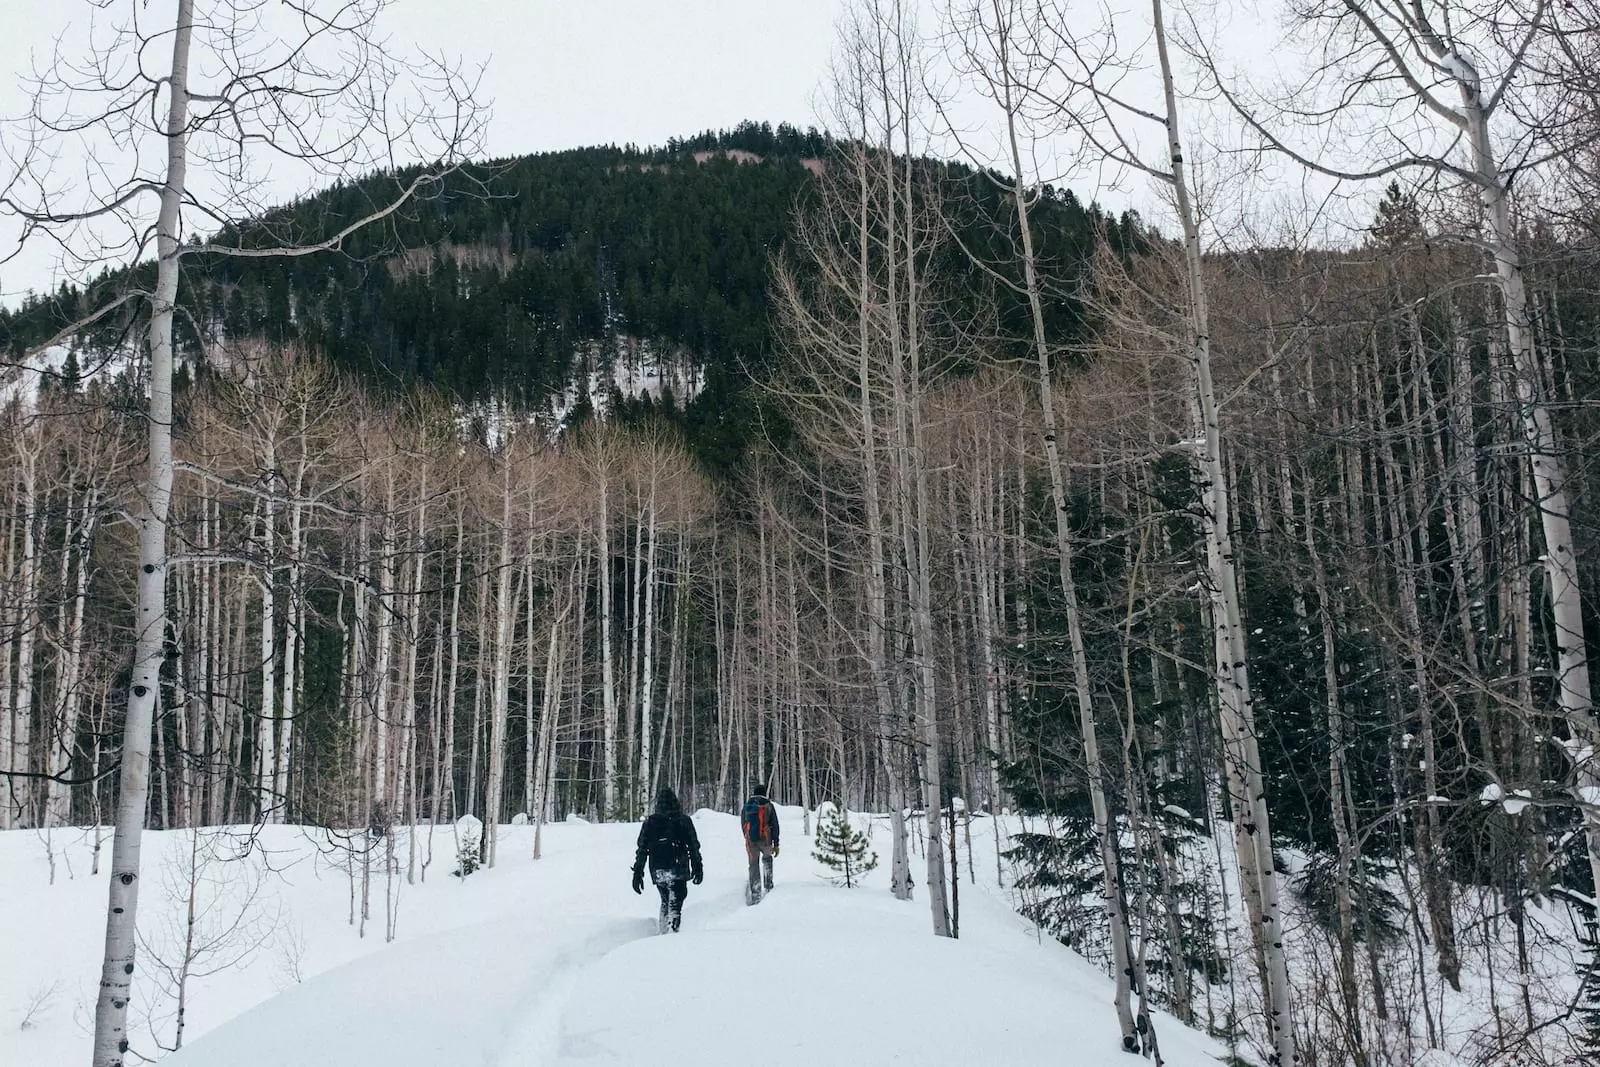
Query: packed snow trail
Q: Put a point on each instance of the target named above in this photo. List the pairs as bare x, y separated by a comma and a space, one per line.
818, 975
558, 962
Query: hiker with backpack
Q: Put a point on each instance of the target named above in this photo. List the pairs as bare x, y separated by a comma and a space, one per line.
759, 821
668, 841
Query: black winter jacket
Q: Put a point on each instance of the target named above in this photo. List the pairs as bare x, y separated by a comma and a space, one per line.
668, 842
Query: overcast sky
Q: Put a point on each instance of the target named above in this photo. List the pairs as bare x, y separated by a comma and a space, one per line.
564, 73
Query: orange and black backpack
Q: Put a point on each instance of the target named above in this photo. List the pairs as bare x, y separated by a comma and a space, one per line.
755, 820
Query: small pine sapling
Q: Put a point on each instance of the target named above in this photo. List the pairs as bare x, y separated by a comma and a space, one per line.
1586, 1038
842, 848
469, 840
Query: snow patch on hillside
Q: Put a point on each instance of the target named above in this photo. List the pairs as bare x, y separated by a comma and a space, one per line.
22, 382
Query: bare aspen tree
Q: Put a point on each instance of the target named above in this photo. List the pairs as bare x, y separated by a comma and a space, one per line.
895, 66
984, 32
600, 461
1084, 88
16, 731
505, 612
1460, 67
313, 89
101, 458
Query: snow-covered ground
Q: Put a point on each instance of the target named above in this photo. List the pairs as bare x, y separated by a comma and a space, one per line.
551, 961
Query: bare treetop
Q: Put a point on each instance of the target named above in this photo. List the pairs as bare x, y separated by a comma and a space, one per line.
284, 97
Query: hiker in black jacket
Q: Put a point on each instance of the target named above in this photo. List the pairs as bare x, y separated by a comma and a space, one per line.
668, 841
759, 821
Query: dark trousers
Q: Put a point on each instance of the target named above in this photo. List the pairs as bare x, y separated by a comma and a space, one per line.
672, 889
760, 854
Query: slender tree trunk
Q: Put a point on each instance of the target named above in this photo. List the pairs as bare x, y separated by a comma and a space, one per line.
266, 724
452, 687
111, 1008
505, 610
1094, 773
18, 808
647, 678
293, 639
549, 712
59, 795
1544, 460
1345, 859
1240, 749
608, 667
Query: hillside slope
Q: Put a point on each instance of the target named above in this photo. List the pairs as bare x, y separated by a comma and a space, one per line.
538, 279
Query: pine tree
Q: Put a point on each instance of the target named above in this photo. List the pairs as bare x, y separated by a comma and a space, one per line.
1587, 1035
469, 841
842, 848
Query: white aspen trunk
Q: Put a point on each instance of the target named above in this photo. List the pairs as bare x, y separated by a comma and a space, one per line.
500, 703
266, 732
981, 575
1455, 508
293, 637
798, 731
675, 657
579, 656
1345, 858
877, 580
647, 677
150, 627
549, 711
451, 686
9, 612
926, 652
210, 709
357, 690
383, 640
530, 752
1094, 773
58, 804
724, 658
608, 668
1235, 701
408, 682
52, 726
435, 734
240, 785
632, 743
479, 673
1465, 483
1435, 884
1544, 460
186, 717
17, 810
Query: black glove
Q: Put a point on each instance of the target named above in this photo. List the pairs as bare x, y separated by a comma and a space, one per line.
638, 881
699, 876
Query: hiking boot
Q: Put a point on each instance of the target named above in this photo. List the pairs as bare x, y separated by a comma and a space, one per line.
767, 882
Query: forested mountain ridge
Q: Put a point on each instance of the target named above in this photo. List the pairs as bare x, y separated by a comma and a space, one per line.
530, 281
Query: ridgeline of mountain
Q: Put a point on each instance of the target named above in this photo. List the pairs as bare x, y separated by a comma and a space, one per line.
534, 280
